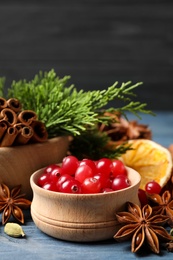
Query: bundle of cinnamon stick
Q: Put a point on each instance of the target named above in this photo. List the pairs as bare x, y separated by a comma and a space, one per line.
19, 126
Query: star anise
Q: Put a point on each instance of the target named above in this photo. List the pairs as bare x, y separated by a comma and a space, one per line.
164, 205
142, 226
121, 130
12, 203
169, 246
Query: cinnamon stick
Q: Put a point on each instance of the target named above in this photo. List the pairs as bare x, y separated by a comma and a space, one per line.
39, 131
9, 137
24, 135
9, 116
3, 128
19, 126
26, 117
14, 104
3, 103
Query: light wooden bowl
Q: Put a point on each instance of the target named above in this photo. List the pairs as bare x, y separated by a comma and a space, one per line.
80, 217
18, 163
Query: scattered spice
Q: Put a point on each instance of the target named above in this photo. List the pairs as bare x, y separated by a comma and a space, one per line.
164, 205
121, 130
169, 246
12, 203
19, 126
142, 226
13, 230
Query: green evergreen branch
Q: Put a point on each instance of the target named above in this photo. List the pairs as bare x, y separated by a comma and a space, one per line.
2, 84
134, 108
92, 144
63, 109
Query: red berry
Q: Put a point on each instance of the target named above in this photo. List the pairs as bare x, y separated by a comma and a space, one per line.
70, 164
91, 185
105, 181
153, 187
83, 172
103, 166
50, 186
118, 168
50, 168
90, 163
120, 182
44, 178
55, 173
70, 186
62, 179
86, 176
142, 197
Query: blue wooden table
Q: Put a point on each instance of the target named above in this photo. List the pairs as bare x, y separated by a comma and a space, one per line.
37, 245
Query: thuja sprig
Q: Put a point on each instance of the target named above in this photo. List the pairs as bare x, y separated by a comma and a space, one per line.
2, 83
63, 109
92, 144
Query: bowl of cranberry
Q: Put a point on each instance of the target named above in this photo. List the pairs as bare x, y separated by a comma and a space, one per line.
77, 200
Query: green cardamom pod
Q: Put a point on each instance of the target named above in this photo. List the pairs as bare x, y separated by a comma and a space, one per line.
171, 232
14, 230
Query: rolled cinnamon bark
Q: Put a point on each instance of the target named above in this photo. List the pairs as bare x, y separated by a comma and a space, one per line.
9, 137
14, 104
19, 126
9, 116
24, 135
26, 117
39, 131
3, 103
3, 128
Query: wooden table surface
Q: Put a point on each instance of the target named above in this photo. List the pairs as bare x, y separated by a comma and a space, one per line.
37, 245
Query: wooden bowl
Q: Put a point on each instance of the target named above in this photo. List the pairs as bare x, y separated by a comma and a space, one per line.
18, 163
80, 217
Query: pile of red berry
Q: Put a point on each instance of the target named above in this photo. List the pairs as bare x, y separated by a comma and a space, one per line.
85, 176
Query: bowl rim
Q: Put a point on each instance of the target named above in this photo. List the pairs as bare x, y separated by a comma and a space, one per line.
44, 192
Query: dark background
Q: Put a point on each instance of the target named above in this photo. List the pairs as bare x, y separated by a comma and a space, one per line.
97, 42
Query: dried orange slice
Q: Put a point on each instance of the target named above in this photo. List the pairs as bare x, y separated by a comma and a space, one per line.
151, 160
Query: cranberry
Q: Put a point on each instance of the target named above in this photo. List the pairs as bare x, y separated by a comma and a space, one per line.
90, 163
70, 186
70, 164
44, 178
142, 197
83, 172
55, 173
153, 187
105, 181
50, 186
103, 166
117, 168
84, 176
91, 185
120, 182
62, 179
